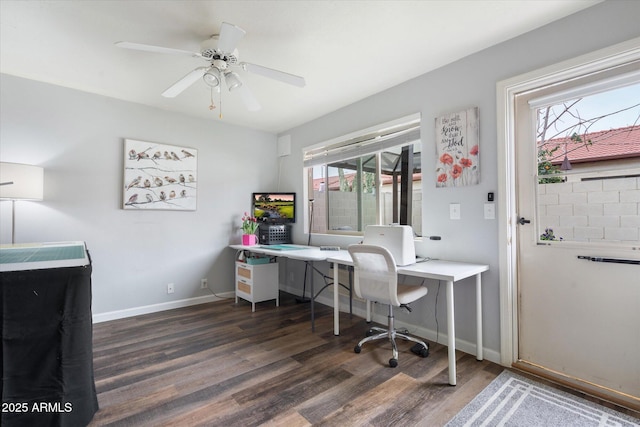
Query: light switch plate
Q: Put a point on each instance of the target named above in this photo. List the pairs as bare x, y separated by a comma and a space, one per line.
489, 211
454, 211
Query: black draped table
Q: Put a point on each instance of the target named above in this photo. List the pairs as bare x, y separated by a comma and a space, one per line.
47, 332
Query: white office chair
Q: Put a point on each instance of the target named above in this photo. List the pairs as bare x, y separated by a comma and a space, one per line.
376, 279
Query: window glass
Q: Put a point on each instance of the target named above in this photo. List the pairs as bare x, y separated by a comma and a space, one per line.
352, 199
589, 168
379, 188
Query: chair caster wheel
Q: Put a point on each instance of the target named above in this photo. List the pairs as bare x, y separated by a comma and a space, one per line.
420, 350
369, 333
357, 349
393, 362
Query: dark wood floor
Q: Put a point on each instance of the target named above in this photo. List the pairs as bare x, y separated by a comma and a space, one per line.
220, 364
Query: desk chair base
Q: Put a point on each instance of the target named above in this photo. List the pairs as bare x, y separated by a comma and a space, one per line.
391, 333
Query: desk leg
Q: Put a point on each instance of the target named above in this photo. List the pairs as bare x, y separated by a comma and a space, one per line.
451, 334
313, 299
336, 299
478, 317
351, 292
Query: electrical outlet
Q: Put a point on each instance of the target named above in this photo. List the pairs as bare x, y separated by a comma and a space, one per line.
170, 288
203, 284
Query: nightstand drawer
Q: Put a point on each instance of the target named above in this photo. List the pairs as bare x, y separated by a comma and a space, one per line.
244, 271
244, 287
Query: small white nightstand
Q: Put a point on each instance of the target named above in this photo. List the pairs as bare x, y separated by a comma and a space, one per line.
257, 282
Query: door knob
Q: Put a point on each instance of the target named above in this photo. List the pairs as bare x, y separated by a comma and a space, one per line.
523, 221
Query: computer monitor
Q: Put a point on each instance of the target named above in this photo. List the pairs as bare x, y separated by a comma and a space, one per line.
274, 208
398, 239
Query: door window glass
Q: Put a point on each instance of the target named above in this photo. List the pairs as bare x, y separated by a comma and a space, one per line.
588, 186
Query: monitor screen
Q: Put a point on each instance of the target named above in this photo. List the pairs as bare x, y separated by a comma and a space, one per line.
274, 207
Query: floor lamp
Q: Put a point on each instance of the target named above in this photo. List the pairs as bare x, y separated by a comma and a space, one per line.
20, 182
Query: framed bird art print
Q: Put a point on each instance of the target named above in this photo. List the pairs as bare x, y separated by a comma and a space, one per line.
159, 176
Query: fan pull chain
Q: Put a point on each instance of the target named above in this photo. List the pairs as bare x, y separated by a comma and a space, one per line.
212, 106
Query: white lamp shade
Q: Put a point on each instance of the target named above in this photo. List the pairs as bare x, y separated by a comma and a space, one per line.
233, 80
21, 182
212, 77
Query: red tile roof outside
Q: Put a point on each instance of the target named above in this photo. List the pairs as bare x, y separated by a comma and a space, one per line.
605, 145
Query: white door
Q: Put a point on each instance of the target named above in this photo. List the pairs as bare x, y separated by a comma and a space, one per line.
579, 318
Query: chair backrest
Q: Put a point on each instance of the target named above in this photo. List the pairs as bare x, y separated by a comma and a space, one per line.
375, 274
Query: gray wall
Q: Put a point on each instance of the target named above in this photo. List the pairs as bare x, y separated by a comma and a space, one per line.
463, 84
79, 140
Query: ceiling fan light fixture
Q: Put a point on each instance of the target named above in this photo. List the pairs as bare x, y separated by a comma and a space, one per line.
233, 80
212, 77
221, 55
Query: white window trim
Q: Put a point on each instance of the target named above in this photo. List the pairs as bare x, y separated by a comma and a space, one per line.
506, 91
313, 155
588, 89
316, 154
357, 133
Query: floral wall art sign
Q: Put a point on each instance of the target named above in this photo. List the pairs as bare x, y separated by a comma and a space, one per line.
457, 138
158, 176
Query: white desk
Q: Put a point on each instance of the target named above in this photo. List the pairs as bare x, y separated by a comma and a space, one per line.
448, 271
302, 253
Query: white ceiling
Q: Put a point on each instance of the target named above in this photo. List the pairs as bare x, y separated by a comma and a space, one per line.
346, 50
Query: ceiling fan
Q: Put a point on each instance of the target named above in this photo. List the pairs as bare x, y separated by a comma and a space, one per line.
222, 56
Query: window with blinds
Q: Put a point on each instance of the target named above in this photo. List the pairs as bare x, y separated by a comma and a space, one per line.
369, 177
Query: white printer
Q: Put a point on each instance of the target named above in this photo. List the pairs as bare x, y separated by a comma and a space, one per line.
397, 239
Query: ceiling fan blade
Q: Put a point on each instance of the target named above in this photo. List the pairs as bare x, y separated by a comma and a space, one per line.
291, 79
184, 82
156, 49
249, 100
229, 37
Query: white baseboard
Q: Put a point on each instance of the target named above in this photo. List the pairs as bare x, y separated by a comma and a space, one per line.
153, 308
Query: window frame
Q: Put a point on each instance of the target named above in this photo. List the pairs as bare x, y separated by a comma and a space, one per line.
593, 83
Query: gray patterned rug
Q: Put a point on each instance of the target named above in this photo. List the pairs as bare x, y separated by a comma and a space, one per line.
512, 400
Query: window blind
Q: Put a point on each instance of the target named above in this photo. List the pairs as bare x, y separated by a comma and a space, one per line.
367, 143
